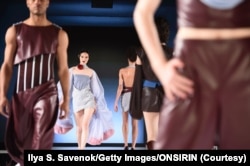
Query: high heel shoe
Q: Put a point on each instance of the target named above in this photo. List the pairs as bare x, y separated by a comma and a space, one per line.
126, 148
150, 145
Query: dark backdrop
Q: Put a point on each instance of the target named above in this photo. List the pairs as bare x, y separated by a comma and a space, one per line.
106, 46
105, 32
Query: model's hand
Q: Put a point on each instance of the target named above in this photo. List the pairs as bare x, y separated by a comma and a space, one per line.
175, 85
4, 107
115, 107
64, 110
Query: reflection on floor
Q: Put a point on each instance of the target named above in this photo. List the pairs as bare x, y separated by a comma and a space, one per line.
5, 160
96, 148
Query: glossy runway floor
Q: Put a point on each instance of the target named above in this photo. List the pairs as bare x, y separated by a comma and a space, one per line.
5, 160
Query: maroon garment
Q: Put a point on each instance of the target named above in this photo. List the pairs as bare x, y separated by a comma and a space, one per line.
34, 105
35, 71
35, 40
193, 13
219, 111
32, 119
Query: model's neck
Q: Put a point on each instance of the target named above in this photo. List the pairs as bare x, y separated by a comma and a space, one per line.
131, 63
35, 20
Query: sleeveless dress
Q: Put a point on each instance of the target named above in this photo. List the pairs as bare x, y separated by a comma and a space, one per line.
34, 104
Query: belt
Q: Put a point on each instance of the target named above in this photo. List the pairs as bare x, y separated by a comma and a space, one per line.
151, 84
127, 89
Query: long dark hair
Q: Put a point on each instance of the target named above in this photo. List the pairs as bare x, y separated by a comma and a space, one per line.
162, 28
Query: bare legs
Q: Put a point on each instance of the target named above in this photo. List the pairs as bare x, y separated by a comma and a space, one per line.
125, 129
83, 118
134, 132
152, 124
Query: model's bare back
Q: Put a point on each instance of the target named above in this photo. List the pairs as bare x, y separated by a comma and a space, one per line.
128, 76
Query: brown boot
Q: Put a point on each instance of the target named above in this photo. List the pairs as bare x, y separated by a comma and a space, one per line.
150, 145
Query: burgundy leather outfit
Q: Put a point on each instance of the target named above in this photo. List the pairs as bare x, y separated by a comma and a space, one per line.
34, 105
219, 111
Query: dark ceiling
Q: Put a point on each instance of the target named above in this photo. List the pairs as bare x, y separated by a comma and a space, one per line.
82, 12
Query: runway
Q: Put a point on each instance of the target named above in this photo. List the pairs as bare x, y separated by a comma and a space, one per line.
5, 160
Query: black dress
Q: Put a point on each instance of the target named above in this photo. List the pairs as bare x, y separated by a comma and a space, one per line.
147, 93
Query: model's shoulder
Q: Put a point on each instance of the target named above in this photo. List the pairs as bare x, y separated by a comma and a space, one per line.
58, 29
14, 28
122, 69
90, 72
17, 23
126, 68
71, 69
56, 26
90, 69
62, 32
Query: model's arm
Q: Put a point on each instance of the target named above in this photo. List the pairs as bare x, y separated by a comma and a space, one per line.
119, 90
146, 30
63, 71
7, 68
174, 84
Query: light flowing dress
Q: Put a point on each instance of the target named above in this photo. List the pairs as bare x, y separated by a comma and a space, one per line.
87, 92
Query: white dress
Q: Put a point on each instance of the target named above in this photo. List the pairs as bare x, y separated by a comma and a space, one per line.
87, 92
82, 94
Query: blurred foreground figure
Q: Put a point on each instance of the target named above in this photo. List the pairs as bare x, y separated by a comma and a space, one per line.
32, 47
207, 83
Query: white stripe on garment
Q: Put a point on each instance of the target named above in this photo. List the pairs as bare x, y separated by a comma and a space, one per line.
25, 75
41, 70
33, 72
49, 67
18, 78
